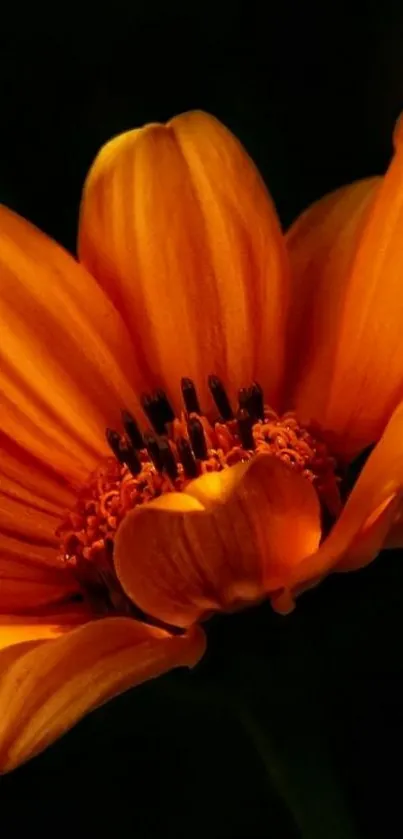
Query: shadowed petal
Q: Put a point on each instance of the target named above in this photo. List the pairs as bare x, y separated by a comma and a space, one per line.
228, 540
366, 380
49, 688
369, 514
322, 245
178, 228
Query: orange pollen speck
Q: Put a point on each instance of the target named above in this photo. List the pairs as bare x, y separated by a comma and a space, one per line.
189, 446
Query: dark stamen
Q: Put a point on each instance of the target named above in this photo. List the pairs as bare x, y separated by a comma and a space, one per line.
197, 438
246, 401
190, 396
164, 405
116, 443
132, 430
187, 458
245, 423
168, 461
256, 392
155, 412
130, 458
154, 451
220, 397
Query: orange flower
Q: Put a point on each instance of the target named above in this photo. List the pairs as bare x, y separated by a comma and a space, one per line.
109, 562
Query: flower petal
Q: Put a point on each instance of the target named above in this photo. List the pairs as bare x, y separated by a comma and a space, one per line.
32, 499
367, 365
22, 520
369, 514
178, 228
29, 577
31, 482
32, 502
228, 540
17, 630
65, 356
48, 689
322, 245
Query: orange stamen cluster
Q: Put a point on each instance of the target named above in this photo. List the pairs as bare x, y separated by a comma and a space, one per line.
145, 467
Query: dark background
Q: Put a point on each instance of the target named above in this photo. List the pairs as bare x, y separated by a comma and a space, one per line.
313, 91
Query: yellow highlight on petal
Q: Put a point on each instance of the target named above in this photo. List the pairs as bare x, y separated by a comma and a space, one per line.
174, 502
16, 630
214, 487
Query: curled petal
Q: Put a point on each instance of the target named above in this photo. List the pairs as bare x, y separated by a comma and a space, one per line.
369, 514
177, 227
231, 538
47, 689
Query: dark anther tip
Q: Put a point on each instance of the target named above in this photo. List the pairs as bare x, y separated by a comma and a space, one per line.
190, 397
245, 424
197, 438
115, 442
153, 449
112, 436
187, 458
169, 464
145, 399
256, 392
131, 459
132, 430
220, 397
164, 405
247, 401
155, 412
243, 397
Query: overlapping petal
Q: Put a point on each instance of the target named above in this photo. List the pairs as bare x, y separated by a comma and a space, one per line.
29, 577
65, 356
322, 245
358, 313
177, 227
33, 499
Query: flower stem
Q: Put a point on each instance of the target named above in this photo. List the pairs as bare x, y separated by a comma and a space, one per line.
278, 696
298, 766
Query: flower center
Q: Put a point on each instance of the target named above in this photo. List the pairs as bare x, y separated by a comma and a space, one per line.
146, 464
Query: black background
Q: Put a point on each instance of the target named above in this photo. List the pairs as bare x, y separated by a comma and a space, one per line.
312, 90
